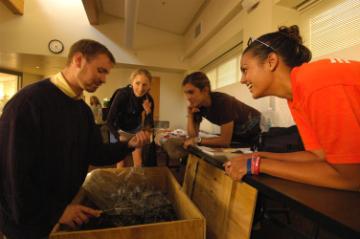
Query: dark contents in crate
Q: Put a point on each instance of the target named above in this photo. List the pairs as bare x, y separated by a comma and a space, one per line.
148, 207
126, 197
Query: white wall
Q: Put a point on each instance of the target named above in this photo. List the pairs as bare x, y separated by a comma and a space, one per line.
211, 19
66, 20
239, 28
282, 16
172, 102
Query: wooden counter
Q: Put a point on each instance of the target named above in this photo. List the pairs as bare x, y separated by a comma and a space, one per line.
228, 206
336, 211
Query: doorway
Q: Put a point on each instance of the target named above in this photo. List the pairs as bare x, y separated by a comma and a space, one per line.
155, 93
9, 85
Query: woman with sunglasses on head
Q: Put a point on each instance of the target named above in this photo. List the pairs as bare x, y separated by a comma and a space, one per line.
324, 100
239, 122
132, 110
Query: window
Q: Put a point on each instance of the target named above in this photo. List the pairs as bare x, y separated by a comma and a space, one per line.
224, 69
212, 77
336, 29
225, 73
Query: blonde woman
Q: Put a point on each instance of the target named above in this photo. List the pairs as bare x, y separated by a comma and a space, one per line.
131, 110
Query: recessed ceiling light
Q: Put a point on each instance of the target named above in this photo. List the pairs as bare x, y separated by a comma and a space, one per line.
37, 67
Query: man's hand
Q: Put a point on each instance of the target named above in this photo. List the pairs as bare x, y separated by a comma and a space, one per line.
139, 140
75, 215
236, 167
147, 106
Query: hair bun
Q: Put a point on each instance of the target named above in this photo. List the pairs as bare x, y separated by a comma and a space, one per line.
291, 32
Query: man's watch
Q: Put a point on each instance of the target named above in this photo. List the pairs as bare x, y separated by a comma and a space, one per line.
198, 140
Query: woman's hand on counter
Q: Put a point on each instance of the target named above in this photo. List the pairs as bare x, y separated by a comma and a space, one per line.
236, 167
189, 141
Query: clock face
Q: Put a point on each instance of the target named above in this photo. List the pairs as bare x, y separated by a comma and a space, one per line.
56, 46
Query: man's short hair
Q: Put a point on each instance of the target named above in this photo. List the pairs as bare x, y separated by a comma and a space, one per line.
90, 49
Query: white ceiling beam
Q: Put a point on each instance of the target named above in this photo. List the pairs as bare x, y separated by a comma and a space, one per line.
131, 15
16, 6
92, 11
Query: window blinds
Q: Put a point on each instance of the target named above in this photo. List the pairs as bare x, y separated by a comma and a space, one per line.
335, 29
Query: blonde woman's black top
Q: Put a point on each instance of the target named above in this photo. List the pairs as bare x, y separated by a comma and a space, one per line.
125, 112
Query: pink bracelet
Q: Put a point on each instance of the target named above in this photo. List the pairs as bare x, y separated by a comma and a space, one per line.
255, 164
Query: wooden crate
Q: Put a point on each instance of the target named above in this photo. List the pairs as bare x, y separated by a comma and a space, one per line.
228, 206
191, 223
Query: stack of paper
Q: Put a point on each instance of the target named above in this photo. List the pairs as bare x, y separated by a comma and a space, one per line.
223, 151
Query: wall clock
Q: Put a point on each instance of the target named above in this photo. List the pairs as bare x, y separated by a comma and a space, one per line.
56, 46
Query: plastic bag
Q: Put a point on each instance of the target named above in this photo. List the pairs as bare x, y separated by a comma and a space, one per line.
126, 197
109, 188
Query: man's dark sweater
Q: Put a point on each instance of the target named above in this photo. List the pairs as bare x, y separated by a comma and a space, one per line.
47, 141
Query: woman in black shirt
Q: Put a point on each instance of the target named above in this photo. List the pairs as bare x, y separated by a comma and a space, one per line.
131, 110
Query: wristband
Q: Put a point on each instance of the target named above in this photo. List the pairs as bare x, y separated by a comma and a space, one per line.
255, 165
198, 140
248, 167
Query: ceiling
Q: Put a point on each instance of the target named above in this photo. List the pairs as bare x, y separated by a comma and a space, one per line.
173, 16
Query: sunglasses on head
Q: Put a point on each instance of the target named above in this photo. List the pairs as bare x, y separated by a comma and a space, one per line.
250, 41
